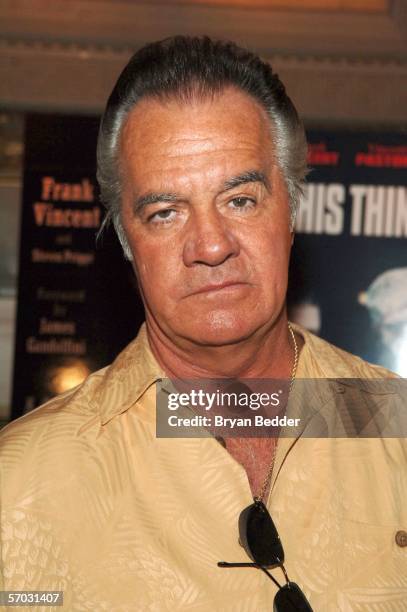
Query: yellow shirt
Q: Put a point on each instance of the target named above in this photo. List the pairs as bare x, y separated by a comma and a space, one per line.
93, 504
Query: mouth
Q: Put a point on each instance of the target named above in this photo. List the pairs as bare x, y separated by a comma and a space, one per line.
227, 286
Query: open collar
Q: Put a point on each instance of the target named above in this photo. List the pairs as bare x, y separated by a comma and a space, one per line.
135, 370
127, 379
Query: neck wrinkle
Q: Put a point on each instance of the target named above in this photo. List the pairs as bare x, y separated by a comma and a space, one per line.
270, 356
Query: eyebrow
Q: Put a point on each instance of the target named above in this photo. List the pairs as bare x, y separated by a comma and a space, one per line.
153, 198
249, 176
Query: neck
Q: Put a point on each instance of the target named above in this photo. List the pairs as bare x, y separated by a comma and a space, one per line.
269, 353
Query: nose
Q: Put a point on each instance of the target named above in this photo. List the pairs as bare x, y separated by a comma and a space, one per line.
209, 240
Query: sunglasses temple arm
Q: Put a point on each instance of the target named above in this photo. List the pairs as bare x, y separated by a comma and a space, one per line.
263, 569
256, 565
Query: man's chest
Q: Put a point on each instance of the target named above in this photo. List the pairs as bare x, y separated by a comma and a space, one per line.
141, 526
256, 456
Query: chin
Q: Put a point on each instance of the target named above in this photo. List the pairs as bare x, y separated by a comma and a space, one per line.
221, 329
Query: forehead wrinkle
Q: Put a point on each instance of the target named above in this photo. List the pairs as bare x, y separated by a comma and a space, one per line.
187, 180
144, 150
182, 124
173, 147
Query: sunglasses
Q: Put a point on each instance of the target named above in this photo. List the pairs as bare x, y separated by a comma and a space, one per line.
258, 536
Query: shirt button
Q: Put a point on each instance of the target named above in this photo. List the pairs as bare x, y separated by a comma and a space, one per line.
401, 538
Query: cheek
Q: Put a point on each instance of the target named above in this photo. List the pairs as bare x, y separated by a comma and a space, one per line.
155, 267
269, 252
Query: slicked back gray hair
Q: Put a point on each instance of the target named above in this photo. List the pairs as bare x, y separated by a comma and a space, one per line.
185, 67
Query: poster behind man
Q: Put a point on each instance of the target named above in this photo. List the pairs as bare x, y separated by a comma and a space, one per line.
349, 264
78, 304
74, 312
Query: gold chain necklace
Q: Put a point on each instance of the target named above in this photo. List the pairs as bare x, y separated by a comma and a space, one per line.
267, 480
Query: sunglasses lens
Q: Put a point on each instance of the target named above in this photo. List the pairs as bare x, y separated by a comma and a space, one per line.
259, 536
290, 598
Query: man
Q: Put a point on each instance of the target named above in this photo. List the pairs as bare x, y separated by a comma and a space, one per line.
201, 159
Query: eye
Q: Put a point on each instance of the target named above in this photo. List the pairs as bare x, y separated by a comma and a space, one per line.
242, 203
162, 216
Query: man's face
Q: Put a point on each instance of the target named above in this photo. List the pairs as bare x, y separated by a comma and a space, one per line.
205, 210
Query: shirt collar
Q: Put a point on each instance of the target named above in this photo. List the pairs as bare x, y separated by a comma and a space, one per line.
320, 359
128, 378
135, 370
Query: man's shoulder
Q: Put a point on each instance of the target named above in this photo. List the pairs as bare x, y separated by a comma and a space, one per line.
103, 395
359, 396
63, 415
330, 361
